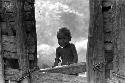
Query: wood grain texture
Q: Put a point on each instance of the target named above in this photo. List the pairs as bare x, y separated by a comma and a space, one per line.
1, 59
18, 38
119, 41
95, 52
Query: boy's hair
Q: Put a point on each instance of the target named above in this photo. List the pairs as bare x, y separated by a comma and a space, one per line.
64, 32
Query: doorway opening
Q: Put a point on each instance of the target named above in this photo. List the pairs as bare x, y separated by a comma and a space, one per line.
50, 15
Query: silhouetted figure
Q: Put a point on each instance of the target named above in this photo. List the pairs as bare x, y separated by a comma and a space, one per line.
66, 52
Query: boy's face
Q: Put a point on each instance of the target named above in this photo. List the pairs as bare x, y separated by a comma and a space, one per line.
62, 41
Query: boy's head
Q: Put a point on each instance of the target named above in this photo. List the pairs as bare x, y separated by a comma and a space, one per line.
64, 36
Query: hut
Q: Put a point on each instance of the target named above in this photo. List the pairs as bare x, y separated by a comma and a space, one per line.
106, 41
18, 43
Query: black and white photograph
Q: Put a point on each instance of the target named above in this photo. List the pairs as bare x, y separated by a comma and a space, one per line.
62, 41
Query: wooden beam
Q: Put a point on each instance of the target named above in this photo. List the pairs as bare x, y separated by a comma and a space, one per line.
16, 75
95, 49
71, 69
13, 55
21, 40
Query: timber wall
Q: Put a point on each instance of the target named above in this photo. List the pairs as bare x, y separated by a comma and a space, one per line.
18, 35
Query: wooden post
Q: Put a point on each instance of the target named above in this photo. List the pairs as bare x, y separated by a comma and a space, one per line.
109, 23
119, 43
21, 41
1, 58
95, 51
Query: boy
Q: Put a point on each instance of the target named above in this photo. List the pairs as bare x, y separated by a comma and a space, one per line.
66, 50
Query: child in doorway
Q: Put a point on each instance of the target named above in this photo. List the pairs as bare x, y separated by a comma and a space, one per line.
66, 50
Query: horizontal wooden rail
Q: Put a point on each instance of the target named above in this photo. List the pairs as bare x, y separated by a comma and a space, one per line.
71, 69
14, 74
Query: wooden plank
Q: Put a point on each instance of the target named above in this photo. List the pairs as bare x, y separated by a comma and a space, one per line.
1, 59
108, 25
95, 52
71, 69
21, 40
39, 77
14, 74
10, 16
8, 46
13, 55
119, 40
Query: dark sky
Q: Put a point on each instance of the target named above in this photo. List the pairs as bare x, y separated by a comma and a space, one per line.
53, 14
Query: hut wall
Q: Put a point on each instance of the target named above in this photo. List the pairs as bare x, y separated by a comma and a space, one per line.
18, 36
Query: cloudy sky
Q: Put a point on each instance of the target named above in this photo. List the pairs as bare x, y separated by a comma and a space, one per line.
53, 14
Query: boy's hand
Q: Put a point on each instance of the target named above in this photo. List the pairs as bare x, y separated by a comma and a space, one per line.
59, 60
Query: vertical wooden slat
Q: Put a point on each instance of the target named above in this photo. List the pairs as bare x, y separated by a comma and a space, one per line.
122, 35
95, 52
1, 56
31, 30
21, 40
109, 23
119, 43
1, 59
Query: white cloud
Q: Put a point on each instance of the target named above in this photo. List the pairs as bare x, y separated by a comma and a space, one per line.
81, 44
66, 8
45, 49
46, 6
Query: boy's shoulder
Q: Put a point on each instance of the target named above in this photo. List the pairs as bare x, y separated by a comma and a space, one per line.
72, 45
58, 48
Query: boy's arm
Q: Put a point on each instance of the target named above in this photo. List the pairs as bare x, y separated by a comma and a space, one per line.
57, 60
75, 60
